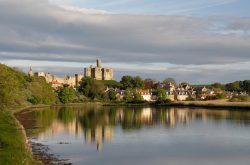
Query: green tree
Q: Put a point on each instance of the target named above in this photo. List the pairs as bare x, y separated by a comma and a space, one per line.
66, 94
112, 95
132, 82
246, 86
138, 97
137, 82
126, 82
169, 80
128, 95
161, 95
235, 86
91, 88
218, 86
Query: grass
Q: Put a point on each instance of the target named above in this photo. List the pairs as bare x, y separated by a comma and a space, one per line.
13, 149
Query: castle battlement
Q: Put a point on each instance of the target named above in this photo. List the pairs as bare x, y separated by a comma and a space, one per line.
98, 72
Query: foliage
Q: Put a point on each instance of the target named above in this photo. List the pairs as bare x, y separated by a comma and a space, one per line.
111, 83
138, 98
161, 95
112, 95
137, 82
235, 86
216, 97
40, 92
18, 88
240, 98
149, 83
132, 82
91, 88
126, 82
190, 99
128, 96
246, 86
169, 80
218, 86
66, 94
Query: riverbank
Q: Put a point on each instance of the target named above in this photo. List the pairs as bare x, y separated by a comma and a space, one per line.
205, 104
14, 148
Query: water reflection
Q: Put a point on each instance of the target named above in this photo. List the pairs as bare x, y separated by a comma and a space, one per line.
96, 125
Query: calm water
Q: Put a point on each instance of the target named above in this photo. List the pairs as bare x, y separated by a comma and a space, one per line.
93, 135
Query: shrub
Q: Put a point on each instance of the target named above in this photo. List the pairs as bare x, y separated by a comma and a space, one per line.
240, 99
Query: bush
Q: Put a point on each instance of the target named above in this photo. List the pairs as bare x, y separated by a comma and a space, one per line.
190, 99
216, 97
240, 99
66, 94
34, 100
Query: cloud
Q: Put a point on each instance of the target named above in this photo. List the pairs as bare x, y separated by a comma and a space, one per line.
39, 31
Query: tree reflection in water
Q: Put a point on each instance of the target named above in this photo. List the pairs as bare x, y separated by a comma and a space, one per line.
96, 123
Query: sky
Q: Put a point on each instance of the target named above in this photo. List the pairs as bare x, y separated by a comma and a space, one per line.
196, 41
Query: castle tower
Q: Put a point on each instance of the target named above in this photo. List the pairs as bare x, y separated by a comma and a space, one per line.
98, 63
30, 73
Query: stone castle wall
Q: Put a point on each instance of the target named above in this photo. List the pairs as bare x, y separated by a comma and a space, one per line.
98, 72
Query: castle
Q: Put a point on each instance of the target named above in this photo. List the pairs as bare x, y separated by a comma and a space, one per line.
99, 73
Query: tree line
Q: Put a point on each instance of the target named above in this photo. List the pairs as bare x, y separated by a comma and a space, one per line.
17, 88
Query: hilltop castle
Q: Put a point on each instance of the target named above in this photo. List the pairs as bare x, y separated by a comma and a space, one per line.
98, 72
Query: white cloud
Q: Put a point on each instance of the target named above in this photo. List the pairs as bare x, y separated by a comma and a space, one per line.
39, 31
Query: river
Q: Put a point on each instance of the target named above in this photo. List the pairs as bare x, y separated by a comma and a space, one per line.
93, 135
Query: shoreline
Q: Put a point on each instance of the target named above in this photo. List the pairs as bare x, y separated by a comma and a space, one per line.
218, 104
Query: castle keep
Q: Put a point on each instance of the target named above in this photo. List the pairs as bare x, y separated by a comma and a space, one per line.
98, 72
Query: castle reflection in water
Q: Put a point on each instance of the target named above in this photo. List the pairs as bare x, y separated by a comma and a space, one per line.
96, 125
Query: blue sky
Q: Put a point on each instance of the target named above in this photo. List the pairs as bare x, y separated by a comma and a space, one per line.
167, 7
197, 41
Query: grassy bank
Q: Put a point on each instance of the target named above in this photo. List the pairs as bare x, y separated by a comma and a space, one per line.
205, 104
13, 147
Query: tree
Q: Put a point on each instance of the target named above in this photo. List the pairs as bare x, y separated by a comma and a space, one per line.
246, 86
169, 80
91, 88
137, 82
128, 95
149, 83
132, 82
112, 95
137, 97
161, 95
235, 86
85, 85
66, 94
218, 86
126, 82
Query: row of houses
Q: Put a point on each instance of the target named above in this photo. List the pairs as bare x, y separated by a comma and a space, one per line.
175, 92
